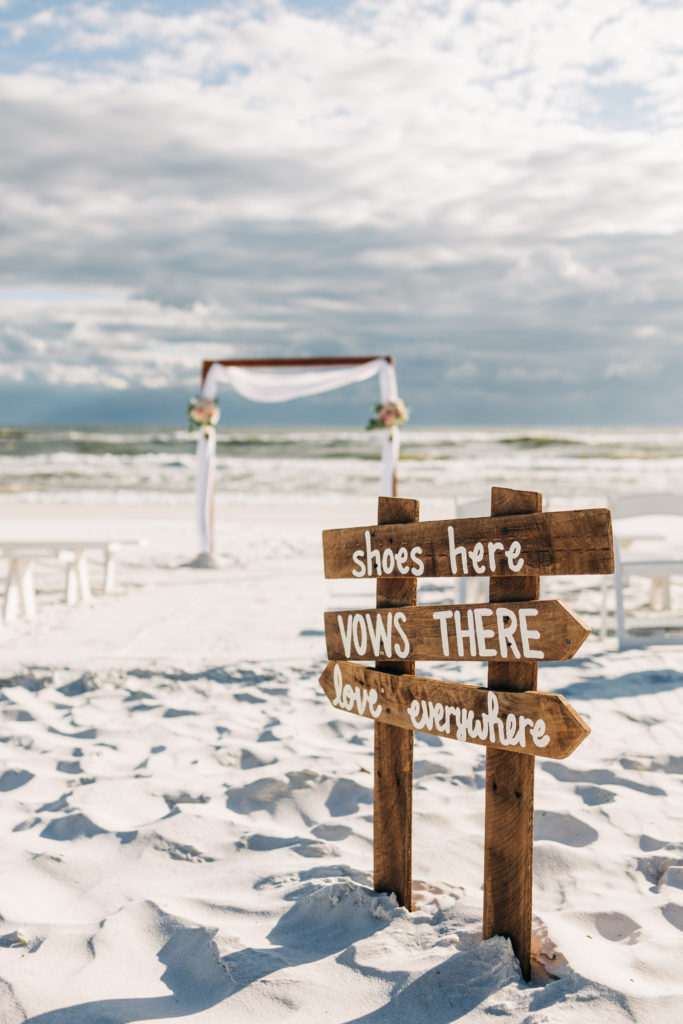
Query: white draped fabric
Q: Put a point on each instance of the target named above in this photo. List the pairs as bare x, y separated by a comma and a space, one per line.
282, 386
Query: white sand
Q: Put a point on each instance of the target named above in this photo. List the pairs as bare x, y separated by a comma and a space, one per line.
187, 822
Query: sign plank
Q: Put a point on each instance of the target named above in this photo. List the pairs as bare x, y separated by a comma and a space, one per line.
542, 543
528, 723
514, 631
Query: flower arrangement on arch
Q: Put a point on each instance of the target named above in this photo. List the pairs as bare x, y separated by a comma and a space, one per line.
387, 415
203, 414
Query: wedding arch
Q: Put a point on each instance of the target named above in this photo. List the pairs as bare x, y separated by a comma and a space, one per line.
260, 380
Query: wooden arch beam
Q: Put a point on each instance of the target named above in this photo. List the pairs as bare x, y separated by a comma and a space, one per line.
302, 361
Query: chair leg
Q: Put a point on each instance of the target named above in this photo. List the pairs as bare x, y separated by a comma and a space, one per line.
660, 594
603, 608
81, 564
71, 583
109, 572
20, 591
619, 607
11, 605
28, 593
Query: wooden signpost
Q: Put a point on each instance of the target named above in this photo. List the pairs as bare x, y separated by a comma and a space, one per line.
513, 632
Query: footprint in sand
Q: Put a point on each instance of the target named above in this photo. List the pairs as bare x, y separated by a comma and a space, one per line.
671, 765
617, 928
261, 843
649, 843
422, 769
266, 793
71, 826
346, 797
334, 833
179, 851
250, 760
563, 828
662, 871
602, 777
13, 780
673, 912
593, 796
17, 715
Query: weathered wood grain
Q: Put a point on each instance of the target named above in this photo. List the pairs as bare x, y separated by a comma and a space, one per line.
474, 632
516, 545
457, 711
393, 799
509, 815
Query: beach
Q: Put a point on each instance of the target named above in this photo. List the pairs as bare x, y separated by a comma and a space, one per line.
187, 820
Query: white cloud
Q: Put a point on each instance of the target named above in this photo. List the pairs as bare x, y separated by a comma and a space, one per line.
637, 368
248, 178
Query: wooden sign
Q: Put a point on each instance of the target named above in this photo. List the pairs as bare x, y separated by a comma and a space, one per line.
546, 544
515, 631
529, 723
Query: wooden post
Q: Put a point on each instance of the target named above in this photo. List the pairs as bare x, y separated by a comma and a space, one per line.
393, 802
509, 827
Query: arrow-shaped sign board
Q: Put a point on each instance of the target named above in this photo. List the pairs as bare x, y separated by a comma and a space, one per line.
542, 543
515, 631
527, 723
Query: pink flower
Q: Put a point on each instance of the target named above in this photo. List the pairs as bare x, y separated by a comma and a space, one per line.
391, 414
203, 413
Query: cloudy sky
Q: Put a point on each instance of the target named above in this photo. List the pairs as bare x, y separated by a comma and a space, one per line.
491, 190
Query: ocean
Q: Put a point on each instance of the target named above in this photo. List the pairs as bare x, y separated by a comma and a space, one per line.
576, 466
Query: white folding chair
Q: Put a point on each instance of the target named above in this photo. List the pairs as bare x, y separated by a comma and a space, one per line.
648, 536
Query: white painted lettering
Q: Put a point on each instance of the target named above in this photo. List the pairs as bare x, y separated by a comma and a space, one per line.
338, 681
454, 553
494, 719
523, 724
404, 651
442, 616
527, 634
388, 561
354, 698
538, 733
372, 554
380, 633
360, 634
357, 557
493, 546
427, 716
513, 552
345, 633
476, 558
401, 559
461, 634
479, 555
413, 714
483, 634
371, 561
506, 631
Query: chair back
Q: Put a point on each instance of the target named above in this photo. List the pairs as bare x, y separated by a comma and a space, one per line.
665, 503
475, 509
